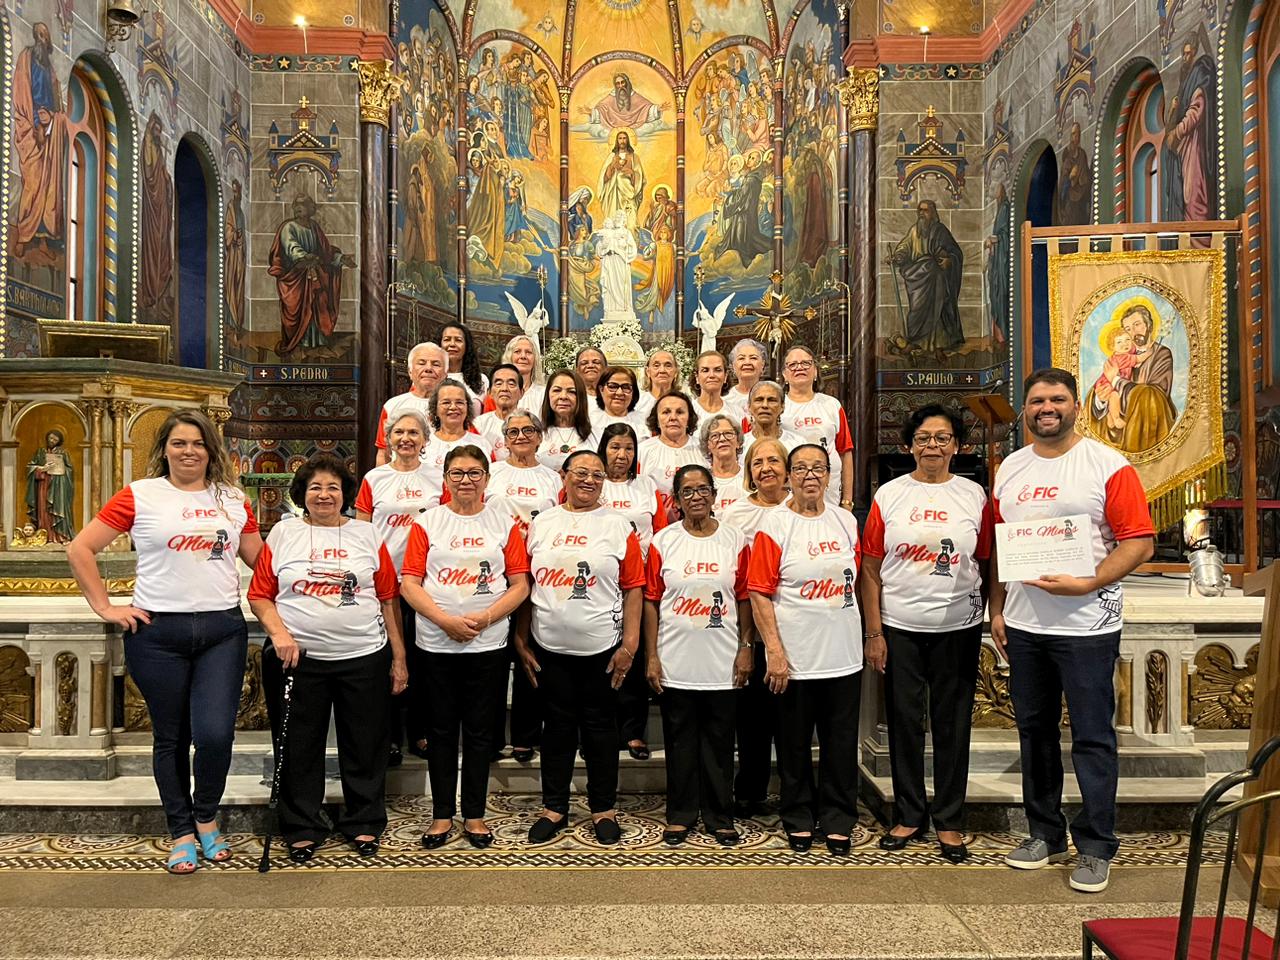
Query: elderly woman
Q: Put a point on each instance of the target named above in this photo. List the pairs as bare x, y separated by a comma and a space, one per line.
804, 562
464, 363
427, 364
326, 587
820, 419
566, 419
697, 630
660, 372
765, 408
504, 395
453, 426
577, 639
720, 440
465, 573
590, 363
525, 488
709, 384
924, 580
766, 483
748, 361
185, 638
616, 397
526, 356
673, 423
392, 496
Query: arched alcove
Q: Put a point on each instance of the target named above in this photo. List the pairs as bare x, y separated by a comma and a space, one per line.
197, 247
1128, 167
1036, 186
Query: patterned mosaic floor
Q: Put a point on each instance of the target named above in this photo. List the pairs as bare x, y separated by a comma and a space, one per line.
510, 815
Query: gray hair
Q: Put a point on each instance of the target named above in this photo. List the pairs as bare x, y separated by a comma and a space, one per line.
704, 444
771, 384
522, 415
427, 345
538, 374
748, 342
412, 415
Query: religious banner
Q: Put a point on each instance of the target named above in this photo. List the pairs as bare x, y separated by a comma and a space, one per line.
1143, 333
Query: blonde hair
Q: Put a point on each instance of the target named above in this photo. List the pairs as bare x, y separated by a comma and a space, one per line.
537, 375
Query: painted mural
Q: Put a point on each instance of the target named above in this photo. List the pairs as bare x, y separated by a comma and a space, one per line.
729, 177
427, 161
155, 299
707, 22
622, 175
1189, 153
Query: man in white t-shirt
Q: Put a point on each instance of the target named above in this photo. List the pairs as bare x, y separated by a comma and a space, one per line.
505, 391
1061, 634
427, 363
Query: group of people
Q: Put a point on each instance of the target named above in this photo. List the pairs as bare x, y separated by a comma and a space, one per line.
597, 543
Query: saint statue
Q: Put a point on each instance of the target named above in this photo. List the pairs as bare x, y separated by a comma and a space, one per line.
51, 489
616, 248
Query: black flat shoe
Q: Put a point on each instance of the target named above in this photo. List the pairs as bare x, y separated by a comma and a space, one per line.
953, 852
545, 829
673, 837
839, 848
522, 754
394, 757
638, 753
798, 843
366, 848
890, 842
727, 838
478, 840
432, 841
608, 832
302, 854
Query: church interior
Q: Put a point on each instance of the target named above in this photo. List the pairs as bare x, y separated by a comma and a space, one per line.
257, 208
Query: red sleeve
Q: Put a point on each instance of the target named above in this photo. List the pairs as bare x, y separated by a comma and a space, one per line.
119, 511
445, 496
660, 518
265, 584
415, 553
655, 585
364, 499
765, 569
631, 569
488, 404
740, 580
514, 553
844, 439
560, 497
381, 439
386, 582
746, 424
873, 532
251, 524
1126, 508
986, 533
995, 511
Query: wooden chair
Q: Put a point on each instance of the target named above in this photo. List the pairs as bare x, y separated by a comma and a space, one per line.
1187, 936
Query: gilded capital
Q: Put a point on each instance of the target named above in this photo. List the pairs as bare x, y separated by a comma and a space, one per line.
380, 85
860, 95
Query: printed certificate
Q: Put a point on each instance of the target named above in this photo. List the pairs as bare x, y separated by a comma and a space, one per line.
1033, 548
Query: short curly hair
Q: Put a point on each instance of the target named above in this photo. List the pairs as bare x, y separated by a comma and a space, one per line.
322, 463
652, 420
915, 420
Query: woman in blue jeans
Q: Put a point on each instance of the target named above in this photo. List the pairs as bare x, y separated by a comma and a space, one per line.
185, 637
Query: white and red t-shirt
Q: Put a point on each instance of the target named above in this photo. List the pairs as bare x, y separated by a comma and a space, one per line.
531, 399
394, 499
1090, 478
601, 418
790, 440
524, 491
821, 420
437, 449
735, 402
581, 562
465, 564
748, 516
660, 462
408, 402
187, 542
704, 414
932, 537
327, 584
729, 490
489, 426
559, 442
644, 403
640, 503
696, 583
809, 566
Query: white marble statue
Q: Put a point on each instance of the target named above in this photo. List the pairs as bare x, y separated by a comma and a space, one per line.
710, 322
616, 248
531, 321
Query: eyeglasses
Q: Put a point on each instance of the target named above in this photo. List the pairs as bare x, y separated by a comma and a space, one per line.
927, 439
817, 470
514, 433
691, 493
726, 435
457, 476
796, 365
582, 476
619, 387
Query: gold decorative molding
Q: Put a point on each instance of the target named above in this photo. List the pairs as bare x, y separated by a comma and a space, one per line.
860, 95
992, 704
68, 694
1157, 692
380, 86
251, 714
1221, 694
17, 691
58, 586
1124, 693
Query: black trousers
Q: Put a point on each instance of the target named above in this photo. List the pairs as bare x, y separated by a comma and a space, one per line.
526, 704
697, 729
633, 702
356, 691
461, 690
757, 721
937, 673
829, 707
578, 702
404, 721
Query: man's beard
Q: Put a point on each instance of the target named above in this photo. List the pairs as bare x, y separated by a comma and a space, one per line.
43, 53
622, 98
1140, 339
1065, 425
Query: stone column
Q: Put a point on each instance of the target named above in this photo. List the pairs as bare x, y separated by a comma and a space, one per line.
120, 410
860, 95
378, 84
97, 408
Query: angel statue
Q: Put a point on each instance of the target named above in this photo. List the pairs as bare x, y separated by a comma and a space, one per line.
710, 323
531, 321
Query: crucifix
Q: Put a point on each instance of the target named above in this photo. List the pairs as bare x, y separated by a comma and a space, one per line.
774, 326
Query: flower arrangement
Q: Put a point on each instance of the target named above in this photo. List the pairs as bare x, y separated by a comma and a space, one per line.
560, 354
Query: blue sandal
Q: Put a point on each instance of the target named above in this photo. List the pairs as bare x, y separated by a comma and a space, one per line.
212, 844
181, 855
